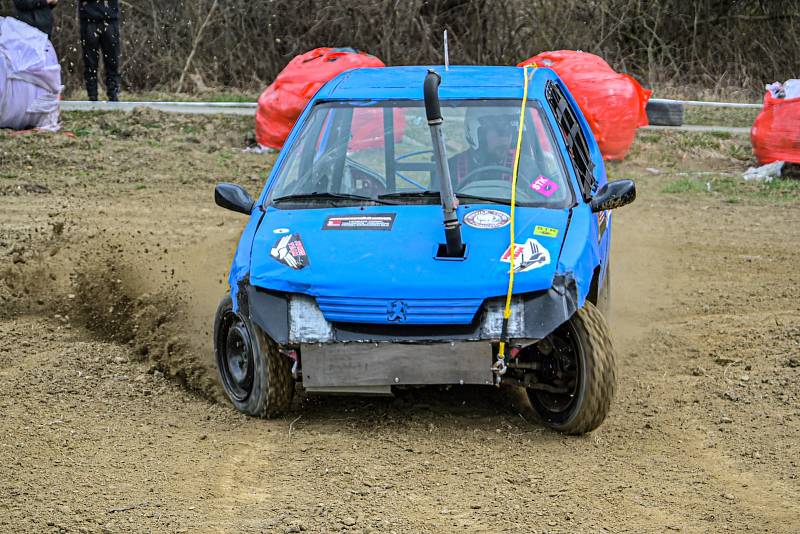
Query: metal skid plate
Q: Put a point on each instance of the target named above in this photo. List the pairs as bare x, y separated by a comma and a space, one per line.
337, 365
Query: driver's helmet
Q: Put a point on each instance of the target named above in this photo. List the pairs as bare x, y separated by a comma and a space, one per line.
479, 119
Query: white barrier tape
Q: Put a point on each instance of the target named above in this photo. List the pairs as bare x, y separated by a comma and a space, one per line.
230, 108
81, 105
740, 130
85, 104
706, 104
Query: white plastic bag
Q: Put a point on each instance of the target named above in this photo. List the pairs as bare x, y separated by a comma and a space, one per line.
765, 173
791, 88
787, 89
30, 78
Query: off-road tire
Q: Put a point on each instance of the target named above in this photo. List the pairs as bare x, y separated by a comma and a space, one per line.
664, 113
597, 376
272, 385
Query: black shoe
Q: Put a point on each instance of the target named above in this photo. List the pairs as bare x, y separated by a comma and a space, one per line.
92, 98
113, 98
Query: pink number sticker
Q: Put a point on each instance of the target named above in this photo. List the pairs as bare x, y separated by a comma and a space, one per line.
544, 186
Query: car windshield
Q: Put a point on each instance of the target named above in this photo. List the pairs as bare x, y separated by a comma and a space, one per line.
357, 152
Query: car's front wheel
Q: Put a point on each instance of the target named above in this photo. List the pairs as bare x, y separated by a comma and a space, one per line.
576, 375
256, 377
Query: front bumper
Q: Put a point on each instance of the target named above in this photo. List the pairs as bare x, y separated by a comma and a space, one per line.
295, 319
373, 368
371, 358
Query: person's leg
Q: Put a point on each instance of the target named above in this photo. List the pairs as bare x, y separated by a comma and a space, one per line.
90, 43
110, 43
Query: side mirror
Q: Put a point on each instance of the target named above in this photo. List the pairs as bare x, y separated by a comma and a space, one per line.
614, 195
233, 197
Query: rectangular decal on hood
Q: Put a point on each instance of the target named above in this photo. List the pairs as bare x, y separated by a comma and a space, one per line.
527, 256
374, 221
545, 231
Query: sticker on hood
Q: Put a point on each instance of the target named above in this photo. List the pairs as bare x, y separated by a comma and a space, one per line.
544, 186
528, 256
545, 231
486, 219
374, 221
289, 250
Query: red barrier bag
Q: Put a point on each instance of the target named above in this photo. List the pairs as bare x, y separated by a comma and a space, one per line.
613, 103
775, 134
368, 131
281, 103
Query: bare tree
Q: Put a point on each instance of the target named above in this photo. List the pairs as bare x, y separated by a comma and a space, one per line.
244, 44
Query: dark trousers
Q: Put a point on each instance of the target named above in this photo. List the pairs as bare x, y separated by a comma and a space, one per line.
96, 37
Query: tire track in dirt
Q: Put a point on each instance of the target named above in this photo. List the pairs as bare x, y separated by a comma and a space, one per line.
244, 478
659, 320
763, 498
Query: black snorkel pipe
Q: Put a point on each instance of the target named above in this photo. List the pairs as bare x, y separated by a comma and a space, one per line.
452, 228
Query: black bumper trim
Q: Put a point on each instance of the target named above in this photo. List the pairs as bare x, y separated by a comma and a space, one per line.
544, 312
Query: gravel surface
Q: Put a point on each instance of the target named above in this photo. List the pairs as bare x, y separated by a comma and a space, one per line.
113, 258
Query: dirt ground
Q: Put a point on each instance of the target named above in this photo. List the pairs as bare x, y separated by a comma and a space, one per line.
113, 258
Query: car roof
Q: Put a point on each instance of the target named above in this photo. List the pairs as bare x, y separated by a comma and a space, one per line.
458, 82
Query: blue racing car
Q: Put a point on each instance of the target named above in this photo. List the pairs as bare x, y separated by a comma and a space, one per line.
427, 226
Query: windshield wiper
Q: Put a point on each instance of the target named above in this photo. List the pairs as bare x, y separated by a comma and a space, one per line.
412, 194
485, 199
330, 196
425, 194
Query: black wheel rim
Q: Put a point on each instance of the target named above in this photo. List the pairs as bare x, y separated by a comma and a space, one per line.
560, 371
236, 361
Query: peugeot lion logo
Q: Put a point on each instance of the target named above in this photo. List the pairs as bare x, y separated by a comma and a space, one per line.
396, 311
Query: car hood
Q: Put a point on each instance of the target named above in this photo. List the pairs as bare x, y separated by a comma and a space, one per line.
389, 252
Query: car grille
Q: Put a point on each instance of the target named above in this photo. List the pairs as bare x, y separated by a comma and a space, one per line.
398, 311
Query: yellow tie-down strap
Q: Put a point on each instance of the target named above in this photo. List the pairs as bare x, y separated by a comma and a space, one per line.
507, 311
